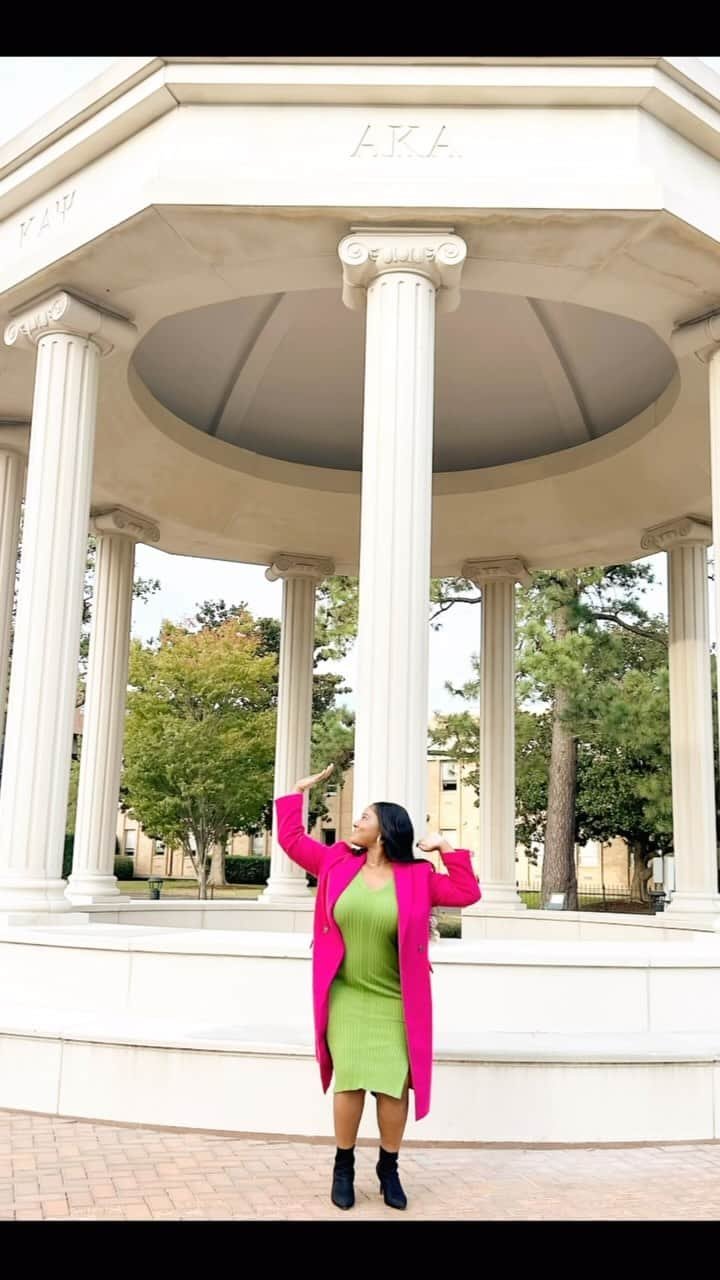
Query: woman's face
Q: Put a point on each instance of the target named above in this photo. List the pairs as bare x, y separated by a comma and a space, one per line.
366, 828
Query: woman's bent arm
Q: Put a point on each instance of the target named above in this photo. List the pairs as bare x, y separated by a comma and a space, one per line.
292, 836
460, 887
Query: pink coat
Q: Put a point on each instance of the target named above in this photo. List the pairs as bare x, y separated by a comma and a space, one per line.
419, 888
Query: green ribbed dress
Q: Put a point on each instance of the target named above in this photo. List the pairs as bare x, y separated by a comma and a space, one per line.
366, 1028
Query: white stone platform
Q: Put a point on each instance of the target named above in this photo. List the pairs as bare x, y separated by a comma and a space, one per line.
534, 1041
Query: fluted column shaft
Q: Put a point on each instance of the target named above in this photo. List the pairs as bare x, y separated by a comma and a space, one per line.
713, 361
12, 479
398, 274
497, 579
70, 337
691, 729
300, 575
93, 875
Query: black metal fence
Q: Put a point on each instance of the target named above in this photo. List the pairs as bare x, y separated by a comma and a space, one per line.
609, 897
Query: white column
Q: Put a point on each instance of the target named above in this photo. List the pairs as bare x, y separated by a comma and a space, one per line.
12, 480
93, 875
300, 576
691, 730
713, 361
496, 579
70, 337
401, 273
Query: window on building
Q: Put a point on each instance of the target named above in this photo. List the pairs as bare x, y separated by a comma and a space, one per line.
589, 854
448, 775
131, 842
159, 848
328, 835
257, 845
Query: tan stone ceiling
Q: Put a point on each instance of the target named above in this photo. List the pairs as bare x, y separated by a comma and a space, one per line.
516, 377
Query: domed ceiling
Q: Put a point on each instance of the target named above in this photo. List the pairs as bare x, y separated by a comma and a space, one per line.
516, 378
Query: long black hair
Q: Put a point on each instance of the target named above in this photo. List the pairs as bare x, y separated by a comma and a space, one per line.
396, 832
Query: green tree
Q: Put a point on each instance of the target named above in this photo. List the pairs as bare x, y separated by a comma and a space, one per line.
199, 740
623, 771
455, 735
72, 797
336, 617
335, 634
533, 736
592, 728
337, 614
622, 718
143, 589
561, 616
332, 725
332, 742
327, 685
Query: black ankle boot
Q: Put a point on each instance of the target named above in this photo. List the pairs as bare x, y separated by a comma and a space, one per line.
390, 1185
343, 1184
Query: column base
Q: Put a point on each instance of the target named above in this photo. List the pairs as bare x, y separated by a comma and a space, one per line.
44, 896
41, 919
89, 888
696, 908
496, 894
287, 891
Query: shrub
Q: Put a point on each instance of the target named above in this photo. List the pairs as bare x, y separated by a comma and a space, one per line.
68, 854
123, 866
247, 870
239, 870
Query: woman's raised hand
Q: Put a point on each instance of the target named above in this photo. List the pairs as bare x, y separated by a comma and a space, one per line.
434, 842
304, 784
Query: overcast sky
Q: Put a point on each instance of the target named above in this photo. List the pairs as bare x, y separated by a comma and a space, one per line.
28, 88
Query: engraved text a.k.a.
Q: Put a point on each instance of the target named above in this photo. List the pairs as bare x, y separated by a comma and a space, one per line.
395, 141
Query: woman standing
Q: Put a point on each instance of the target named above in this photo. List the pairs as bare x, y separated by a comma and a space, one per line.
371, 972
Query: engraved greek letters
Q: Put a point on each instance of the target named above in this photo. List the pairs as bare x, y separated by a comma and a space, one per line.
50, 217
400, 144
363, 143
441, 145
404, 141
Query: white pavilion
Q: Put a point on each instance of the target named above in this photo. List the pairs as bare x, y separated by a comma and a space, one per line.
393, 317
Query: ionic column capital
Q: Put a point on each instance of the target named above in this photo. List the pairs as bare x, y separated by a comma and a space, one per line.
61, 312
288, 566
684, 531
124, 523
700, 337
369, 252
504, 569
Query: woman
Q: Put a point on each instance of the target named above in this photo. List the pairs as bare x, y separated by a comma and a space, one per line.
371, 973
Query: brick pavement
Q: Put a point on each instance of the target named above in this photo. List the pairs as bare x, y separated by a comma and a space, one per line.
57, 1169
